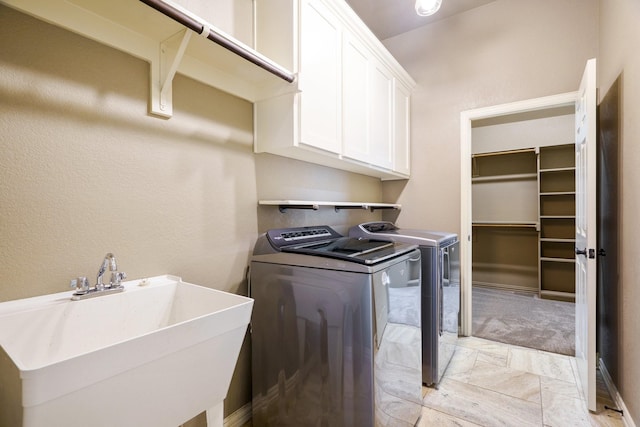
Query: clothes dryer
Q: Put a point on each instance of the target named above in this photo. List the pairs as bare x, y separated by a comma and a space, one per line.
440, 290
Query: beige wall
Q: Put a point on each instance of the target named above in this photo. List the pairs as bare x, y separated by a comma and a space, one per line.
512, 50
619, 60
505, 51
498, 135
84, 170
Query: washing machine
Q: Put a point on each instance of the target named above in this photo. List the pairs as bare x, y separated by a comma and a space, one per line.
335, 330
440, 290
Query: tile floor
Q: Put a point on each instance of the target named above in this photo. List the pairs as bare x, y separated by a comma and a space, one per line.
493, 384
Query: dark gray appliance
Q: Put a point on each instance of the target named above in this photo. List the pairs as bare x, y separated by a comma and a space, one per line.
335, 330
440, 290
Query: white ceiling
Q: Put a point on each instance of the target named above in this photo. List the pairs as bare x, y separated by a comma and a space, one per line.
388, 18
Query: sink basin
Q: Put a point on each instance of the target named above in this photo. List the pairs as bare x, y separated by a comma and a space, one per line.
157, 354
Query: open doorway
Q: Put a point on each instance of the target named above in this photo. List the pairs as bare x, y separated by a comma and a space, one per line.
519, 224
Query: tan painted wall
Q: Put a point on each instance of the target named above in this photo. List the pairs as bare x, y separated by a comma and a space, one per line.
507, 50
619, 59
84, 170
487, 136
512, 50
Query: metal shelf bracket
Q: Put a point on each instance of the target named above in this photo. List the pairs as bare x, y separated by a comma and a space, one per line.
283, 208
337, 208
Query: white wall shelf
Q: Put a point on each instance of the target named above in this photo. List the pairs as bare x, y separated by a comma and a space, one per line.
567, 169
506, 224
549, 259
283, 205
558, 295
509, 177
557, 240
559, 193
140, 30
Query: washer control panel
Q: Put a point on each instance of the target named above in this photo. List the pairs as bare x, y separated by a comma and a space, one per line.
288, 236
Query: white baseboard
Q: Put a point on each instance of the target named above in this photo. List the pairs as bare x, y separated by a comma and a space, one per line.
506, 287
240, 417
613, 391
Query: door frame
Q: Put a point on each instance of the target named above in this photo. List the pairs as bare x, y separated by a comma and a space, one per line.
466, 119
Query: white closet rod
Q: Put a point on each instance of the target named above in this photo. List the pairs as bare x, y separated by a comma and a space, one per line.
216, 37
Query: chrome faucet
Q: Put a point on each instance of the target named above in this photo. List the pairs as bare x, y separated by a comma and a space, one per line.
109, 261
81, 284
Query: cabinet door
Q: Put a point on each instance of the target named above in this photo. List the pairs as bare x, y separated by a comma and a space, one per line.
319, 83
381, 116
355, 101
401, 130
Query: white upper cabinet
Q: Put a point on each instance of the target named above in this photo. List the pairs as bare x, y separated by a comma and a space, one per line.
381, 116
401, 121
356, 99
343, 111
367, 106
319, 77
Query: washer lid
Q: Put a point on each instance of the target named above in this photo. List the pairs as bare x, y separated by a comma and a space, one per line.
360, 250
325, 242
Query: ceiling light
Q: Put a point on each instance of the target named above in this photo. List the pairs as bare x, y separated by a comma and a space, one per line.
427, 7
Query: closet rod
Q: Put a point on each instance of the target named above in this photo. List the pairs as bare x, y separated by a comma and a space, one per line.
216, 37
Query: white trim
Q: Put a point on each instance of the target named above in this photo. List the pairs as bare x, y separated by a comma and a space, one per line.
466, 319
505, 287
613, 391
466, 117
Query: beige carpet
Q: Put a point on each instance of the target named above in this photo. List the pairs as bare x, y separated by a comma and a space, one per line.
524, 320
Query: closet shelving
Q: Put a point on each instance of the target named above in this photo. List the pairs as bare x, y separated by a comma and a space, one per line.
557, 218
524, 220
505, 219
497, 174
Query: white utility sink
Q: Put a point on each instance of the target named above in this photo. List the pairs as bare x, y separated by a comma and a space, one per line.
157, 354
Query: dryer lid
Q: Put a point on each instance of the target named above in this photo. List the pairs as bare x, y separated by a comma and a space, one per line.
385, 230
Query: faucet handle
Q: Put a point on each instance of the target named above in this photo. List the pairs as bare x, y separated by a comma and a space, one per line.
117, 278
81, 285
